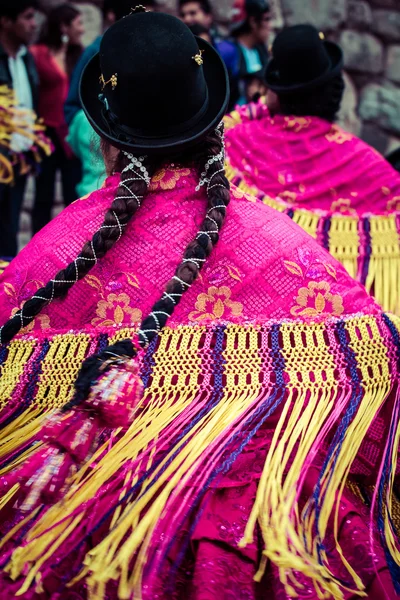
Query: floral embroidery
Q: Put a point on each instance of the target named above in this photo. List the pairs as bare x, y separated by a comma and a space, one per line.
19, 297
336, 135
166, 179
249, 195
343, 205
115, 311
317, 299
394, 203
216, 304
297, 123
42, 320
310, 267
288, 196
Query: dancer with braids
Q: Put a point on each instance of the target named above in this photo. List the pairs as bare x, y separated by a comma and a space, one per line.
196, 400
288, 151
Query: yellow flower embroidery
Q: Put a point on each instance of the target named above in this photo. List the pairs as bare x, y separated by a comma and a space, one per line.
42, 320
317, 299
166, 179
337, 135
393, 204
288, 196
297, 123
216, 304
116, 310
249, 195
343, 205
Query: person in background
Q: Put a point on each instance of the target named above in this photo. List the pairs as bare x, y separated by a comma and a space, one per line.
199, 13
246, 52
255, 86
55, 56
288, 150
201, 31
81, 137
18, 72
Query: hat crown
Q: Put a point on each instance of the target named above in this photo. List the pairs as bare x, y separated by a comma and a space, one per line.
300, 54
157, 76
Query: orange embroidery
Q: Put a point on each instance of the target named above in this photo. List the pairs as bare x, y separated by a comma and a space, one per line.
166, 179
297, 123
394, 203
239, 194
42, 320
343, 205
317, 299
293, 268
216, 304
115, 311
288, 196
337, 135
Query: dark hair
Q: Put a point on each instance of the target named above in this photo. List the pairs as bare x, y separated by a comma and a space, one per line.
323, 101
52, 33
204, 5
13, 8
394, 159
130, 195
198, 29
122, 8
253, 10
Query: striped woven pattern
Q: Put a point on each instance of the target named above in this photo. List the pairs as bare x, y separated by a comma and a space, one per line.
209, 390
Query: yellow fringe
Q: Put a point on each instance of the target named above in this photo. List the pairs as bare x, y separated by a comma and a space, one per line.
383, 279
313, 394
276, 496
23, 122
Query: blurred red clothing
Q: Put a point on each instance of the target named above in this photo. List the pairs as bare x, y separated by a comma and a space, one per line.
53, 86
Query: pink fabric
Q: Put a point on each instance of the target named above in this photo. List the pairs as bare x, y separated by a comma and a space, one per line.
306, 162
263, 267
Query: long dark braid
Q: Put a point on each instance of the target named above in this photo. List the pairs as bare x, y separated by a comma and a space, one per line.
130, 194
196, 253
125, 205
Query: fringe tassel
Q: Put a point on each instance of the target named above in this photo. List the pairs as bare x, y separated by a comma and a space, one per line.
24, 122
368, 247
328, 382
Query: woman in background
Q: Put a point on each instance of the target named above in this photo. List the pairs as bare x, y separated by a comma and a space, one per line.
288, 151
55, 57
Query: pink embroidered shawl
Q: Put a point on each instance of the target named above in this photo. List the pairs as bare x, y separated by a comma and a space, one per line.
339, 189
275, 381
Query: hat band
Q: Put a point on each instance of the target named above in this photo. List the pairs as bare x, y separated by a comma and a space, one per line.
115, 126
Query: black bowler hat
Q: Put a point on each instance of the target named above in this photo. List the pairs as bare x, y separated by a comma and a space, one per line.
154, 86
302, 60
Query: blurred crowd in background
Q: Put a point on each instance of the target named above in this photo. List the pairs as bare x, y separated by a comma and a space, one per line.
44, 65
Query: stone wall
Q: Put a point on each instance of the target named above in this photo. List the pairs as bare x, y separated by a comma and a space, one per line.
369, 32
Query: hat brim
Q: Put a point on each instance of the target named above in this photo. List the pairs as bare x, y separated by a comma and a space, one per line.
216, 76
276, 85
